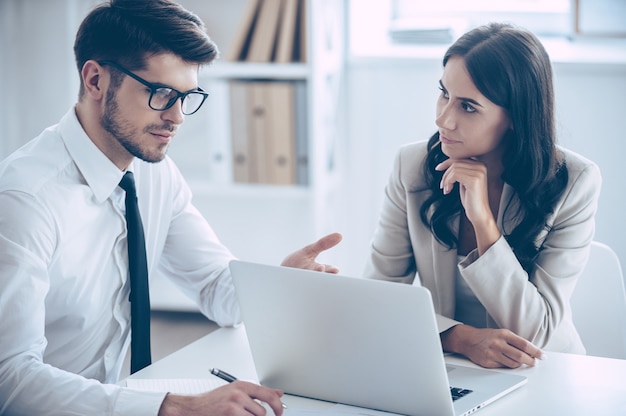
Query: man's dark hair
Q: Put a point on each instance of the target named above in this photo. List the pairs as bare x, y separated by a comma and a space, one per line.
129, 31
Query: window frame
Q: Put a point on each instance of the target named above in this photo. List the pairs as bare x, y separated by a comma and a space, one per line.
542, 17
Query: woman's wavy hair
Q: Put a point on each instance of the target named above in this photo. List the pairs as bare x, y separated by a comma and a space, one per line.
511, 68
129, 31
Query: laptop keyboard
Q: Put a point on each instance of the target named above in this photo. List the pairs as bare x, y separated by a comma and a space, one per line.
457, 393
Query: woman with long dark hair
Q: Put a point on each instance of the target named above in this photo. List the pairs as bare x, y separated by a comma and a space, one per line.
490, 214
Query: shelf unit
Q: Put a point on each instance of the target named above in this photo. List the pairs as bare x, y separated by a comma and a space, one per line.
259, 222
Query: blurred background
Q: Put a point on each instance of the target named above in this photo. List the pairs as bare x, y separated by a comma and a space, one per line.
370, 70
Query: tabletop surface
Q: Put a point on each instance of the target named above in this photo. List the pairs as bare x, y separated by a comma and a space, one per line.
558, 385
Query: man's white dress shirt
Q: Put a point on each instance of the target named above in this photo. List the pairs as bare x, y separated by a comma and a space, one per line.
64, 308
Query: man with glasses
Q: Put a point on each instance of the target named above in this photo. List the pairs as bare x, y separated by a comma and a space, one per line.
163, 97
66, 200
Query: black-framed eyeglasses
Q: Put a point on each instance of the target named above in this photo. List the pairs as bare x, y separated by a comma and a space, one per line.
163, 97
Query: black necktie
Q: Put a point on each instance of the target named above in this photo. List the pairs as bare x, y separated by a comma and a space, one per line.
138, 267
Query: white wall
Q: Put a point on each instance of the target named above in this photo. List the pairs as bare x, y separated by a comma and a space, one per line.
591, 111
38, 79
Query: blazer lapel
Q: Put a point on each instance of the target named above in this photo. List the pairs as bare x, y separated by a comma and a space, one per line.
509, 205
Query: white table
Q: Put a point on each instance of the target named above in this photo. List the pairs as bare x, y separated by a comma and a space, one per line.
563, 384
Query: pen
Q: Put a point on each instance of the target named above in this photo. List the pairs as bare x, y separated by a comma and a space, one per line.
230, 378
223, 375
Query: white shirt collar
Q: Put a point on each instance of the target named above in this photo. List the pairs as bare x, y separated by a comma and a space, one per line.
101, 175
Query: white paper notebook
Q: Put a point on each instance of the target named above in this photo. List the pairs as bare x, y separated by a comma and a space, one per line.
175, 385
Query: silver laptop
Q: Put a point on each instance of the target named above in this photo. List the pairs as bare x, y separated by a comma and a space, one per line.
360, 342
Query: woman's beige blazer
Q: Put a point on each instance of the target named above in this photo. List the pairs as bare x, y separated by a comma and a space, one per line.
535, 307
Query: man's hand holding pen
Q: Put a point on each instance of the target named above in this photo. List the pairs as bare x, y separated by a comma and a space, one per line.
235, 398
232, 379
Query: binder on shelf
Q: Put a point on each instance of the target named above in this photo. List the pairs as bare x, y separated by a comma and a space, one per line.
271, 31
240, 131
243, 35
219, 133
263, 42
287, 33
264, 124
302, 31
280, 145
258, 114
301, 133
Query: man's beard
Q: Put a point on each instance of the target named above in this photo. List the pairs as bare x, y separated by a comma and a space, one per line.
123, 132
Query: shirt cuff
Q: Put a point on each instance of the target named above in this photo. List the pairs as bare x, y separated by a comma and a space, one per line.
445, 323
497, 254
138, 402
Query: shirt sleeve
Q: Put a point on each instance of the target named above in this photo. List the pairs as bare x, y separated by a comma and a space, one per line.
29, 386
392, 253
196, 261
533, 306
